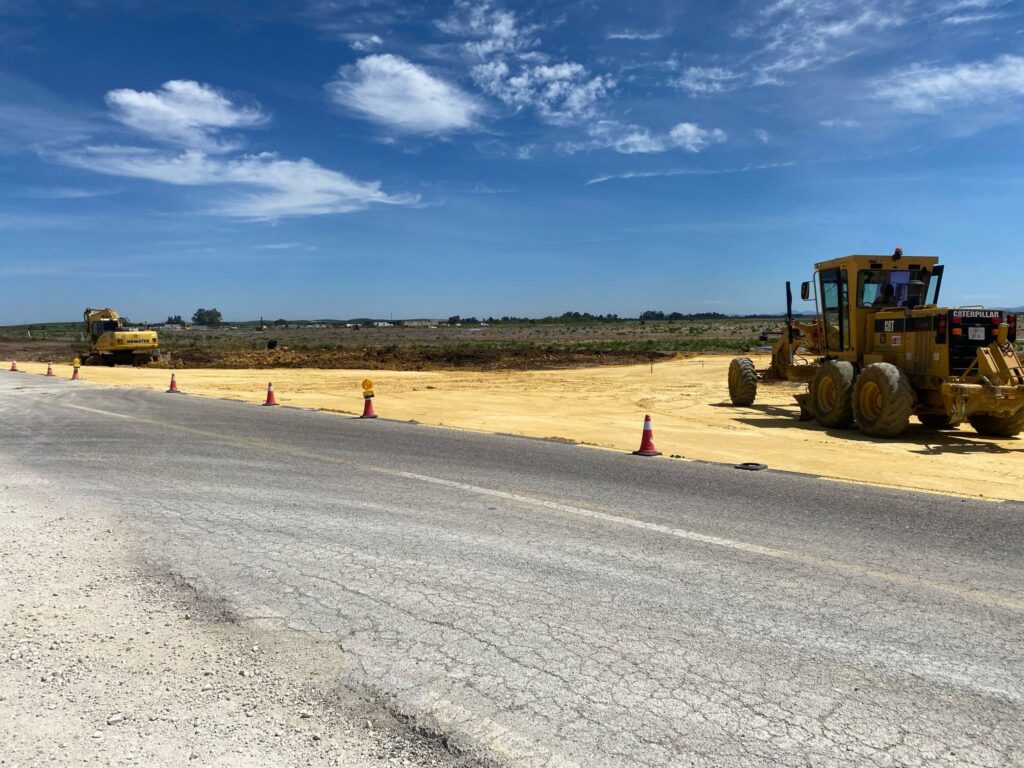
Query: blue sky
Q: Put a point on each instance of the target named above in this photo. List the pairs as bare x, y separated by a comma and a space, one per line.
331, 158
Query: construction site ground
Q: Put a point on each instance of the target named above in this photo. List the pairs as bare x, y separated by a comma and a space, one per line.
687, 399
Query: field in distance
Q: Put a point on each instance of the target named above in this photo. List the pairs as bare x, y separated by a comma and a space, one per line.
500, 346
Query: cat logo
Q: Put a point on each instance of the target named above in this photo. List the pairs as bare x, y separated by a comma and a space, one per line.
890, 326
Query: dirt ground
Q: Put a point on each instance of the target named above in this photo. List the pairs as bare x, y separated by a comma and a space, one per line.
686, 398
105, 663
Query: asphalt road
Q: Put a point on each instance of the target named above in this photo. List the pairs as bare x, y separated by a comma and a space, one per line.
546, 604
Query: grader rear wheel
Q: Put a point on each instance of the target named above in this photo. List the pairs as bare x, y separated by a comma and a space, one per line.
742, 381
831, 394
883, 400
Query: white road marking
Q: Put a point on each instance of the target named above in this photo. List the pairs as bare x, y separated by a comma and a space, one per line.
892, 577
97, 410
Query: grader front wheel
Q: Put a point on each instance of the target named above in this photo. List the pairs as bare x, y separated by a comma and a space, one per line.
742, 381
998, 426
882, 400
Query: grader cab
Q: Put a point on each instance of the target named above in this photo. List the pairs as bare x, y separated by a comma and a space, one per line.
880, 349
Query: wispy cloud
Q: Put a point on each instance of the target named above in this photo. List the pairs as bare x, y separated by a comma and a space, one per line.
632, 34
971, 18
65, 193
285, 247
705, 80
282, 187
634, 139
687, 172
838, 122
394, 92
31, 116
183, 112
797, 35
926, 88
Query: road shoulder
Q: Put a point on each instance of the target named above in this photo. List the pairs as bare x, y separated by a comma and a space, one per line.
104, 662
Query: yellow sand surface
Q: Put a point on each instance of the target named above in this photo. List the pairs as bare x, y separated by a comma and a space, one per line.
686, 398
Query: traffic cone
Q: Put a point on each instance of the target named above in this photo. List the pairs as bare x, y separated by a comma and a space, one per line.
368, 409
14, 365
647, 442
49, 369
74, 375
174, 386
271, 400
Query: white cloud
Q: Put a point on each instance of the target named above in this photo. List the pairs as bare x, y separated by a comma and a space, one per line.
625, 139
928, 89
280, 187
632, 34
762, 135
560, 93
704, 80
363, 42
693, 138
183, 112
507, 66
490, 30
839, 123
403, 96
635, 139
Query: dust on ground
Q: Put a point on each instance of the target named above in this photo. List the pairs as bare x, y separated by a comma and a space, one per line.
686, 398
105, 663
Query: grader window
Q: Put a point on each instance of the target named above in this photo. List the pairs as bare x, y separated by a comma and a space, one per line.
884, 288
835, 304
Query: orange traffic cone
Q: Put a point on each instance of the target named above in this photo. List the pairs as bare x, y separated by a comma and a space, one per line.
647, 442
49, 369
14, 365
271, 400
174, 386
368, 409
74, 375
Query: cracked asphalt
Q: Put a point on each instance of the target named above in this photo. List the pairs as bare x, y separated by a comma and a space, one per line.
537, 603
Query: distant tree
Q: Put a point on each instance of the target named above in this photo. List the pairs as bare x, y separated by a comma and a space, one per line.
174, 320
454, 319
281, 322
651, 314
207, 317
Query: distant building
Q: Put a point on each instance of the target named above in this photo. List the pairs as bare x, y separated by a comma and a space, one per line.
421, 323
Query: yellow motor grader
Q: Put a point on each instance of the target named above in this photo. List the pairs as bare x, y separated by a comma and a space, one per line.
880, 349
111, 343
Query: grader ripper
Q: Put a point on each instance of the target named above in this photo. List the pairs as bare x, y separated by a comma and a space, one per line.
880, 350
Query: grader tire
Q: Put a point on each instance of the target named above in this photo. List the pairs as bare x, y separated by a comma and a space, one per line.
742, 381
998, 426
883, 400
936, 421
831, 394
